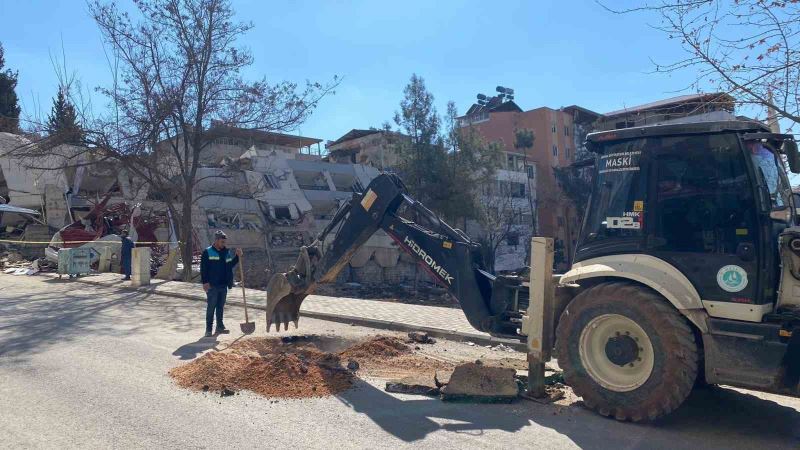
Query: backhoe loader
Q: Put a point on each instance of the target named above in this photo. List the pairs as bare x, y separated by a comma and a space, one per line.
686, 269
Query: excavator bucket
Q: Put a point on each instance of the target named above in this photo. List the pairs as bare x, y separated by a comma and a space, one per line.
286, 291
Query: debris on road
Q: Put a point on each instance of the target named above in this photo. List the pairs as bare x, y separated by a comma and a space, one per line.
416, 385
502, 348
421, 337
481, 383
303, 366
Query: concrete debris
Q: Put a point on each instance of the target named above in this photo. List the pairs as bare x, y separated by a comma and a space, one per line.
442, 377
502, 348
483, 384
414, 385
421, 337
225, 392
553, 393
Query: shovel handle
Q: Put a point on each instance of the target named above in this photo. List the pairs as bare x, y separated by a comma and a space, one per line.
244, 295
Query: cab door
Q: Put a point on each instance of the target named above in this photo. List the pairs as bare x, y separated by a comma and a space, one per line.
704, 216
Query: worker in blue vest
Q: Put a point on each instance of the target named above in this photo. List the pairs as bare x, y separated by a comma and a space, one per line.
216, 273
126, 254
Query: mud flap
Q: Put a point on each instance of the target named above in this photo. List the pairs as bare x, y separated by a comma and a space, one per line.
791, 361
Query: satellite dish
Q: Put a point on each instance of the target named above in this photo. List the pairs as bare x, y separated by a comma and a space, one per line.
509, 97
481, 97
500, 89
509, 91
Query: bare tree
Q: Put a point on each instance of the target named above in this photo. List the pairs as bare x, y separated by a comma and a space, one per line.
748, 48
177, 83
500, 215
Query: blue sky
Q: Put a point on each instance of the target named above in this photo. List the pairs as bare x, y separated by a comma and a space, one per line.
553, 53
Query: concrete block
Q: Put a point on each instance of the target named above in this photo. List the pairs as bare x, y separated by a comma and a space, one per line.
386, 257
140, 266
104, 263
480, 383
169, 269
361, 256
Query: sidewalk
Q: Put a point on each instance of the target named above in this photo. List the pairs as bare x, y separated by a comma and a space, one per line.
437, 321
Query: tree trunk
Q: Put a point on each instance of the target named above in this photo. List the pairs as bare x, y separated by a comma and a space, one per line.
187, 236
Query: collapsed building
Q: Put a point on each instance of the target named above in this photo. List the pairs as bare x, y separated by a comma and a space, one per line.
270, 192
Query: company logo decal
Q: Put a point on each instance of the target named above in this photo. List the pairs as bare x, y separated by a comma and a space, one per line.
428, 260
732, 278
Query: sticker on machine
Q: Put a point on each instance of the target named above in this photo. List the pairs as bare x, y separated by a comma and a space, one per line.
627, 222
620, 162
368, 200
732, 278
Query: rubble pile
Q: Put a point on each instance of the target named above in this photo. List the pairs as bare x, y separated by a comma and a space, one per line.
300, 366
15, 263
424, 294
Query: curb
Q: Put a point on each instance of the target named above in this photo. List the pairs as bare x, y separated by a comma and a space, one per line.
458, 336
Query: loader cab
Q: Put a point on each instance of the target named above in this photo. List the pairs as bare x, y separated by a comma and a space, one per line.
707, 198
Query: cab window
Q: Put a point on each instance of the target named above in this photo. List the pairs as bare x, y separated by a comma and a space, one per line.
703, 200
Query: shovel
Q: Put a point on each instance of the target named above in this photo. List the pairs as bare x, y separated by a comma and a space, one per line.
246, 326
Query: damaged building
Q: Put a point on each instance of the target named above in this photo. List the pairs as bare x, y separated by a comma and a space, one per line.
270, 192
273, 193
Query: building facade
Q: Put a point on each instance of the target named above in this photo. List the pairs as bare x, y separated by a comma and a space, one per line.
558, 137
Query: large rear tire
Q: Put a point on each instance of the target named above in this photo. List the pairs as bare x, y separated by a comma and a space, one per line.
628, 352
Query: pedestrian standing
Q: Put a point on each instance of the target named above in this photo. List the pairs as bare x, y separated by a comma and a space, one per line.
126, 254
216, 273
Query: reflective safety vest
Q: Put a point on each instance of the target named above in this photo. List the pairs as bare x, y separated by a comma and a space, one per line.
213, 255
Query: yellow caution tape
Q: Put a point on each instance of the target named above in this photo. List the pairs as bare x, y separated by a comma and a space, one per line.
85, 242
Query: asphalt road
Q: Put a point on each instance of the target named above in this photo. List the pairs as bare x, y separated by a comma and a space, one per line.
84, 366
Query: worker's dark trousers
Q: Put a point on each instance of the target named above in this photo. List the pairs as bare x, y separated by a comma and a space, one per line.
216, 303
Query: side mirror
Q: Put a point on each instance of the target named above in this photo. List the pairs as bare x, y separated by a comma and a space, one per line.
790, 150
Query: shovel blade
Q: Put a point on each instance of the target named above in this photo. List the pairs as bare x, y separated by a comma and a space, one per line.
247, 327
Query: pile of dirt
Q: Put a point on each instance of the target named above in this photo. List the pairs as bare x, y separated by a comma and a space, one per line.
378, 348
299, 366
269, 368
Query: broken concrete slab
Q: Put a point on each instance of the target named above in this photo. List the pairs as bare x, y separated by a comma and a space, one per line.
474, 382
442, 377
421, 337
415, 385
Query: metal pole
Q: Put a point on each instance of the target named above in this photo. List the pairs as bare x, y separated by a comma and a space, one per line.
538, 322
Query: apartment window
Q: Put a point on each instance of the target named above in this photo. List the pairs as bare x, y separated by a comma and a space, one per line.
554, 128
531, 171
566, 152
555, 150
515, 163
515, 190
283, 212
566, 130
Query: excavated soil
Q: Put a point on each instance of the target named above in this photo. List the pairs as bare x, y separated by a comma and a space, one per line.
301, 366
